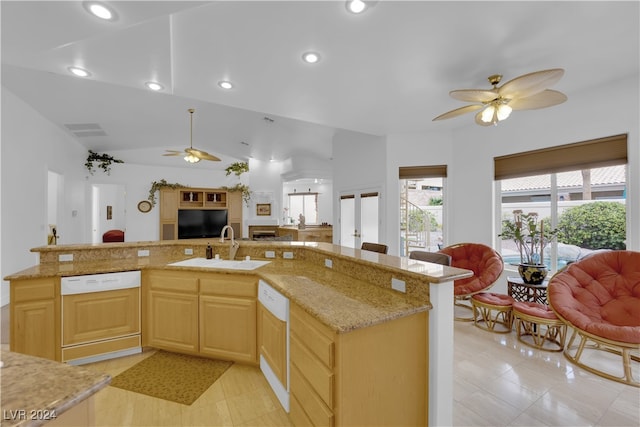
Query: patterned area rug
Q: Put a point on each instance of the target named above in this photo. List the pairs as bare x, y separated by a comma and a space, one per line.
170, 376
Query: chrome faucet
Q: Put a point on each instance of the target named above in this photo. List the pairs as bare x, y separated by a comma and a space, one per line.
233, 245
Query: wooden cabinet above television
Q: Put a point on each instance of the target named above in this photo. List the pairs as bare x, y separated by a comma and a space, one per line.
173, 200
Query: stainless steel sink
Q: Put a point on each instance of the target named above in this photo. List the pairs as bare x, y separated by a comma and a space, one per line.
221, 263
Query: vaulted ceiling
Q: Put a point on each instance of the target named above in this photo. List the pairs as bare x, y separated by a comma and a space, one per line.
387, 70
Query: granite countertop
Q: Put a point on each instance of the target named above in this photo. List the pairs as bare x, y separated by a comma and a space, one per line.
343, 298
36, 390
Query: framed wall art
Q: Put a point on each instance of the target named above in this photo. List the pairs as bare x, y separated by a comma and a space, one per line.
263, 209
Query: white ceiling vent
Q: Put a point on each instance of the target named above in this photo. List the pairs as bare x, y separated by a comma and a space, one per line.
83, 130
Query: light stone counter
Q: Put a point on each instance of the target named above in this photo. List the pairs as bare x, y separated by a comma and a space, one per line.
35, 391
354, 293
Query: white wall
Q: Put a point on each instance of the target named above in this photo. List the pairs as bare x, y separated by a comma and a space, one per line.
469, 153
31, 147
359, 162
414, 149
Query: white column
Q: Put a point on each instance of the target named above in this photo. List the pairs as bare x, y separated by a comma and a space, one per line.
441, 354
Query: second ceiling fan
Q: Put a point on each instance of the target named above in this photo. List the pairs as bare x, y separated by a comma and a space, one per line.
526, 92
192, 155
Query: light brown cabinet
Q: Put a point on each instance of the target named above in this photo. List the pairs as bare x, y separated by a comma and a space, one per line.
370, 376
228, 317
172, 317
309, 234
35, 317
272, 342
172, 200
203, 313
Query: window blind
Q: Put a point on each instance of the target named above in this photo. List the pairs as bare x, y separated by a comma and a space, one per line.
416, 172
594, 153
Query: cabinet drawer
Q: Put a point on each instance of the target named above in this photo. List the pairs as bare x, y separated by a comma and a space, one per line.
229, 284
318, 376
33, 289
315, 336
174, 282
303, 396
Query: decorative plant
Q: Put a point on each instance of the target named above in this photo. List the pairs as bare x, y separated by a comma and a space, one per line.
238, 168
104, 162
244, 189
529, 234
157, 185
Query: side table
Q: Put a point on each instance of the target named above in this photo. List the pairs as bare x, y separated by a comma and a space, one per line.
520, 291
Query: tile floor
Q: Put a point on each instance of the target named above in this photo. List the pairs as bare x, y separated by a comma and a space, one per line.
498, 382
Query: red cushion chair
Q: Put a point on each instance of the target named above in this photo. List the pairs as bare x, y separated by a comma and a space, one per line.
113, 236
484, 261
599, 297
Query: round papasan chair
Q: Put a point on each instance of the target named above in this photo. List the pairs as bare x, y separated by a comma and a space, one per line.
599, 298
486, 264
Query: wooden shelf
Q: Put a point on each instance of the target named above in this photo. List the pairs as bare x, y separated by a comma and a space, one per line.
172, 200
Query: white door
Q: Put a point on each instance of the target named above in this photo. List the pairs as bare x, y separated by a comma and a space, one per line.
359, 218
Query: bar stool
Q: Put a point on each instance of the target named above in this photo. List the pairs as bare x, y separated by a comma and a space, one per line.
494, 311
538, 326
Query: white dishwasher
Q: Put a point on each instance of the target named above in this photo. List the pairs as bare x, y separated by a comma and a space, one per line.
273, 340
100, 316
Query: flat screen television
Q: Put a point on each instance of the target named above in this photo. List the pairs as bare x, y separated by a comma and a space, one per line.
199, 223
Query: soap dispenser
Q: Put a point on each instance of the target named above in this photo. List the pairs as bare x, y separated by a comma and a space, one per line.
209, 251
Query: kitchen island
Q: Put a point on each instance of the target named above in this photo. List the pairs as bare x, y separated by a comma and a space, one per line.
36, 391
345, 294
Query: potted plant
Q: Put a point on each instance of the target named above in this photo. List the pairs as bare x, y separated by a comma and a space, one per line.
531, 238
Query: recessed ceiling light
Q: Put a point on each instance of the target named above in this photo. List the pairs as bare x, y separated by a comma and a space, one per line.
225, 84
100, 10
154, 86
310, 57
80, 72
356, 6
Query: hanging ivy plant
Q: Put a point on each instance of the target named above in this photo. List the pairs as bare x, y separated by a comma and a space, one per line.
244, 189
237, 168
104, 162
157, 185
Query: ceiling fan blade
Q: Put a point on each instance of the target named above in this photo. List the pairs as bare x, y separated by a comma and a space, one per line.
546, 98
173, 153
474, 95
479, 121
530, 84
202, 155
459, 111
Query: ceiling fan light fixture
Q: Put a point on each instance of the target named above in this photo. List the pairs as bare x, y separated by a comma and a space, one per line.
191, 158
495, 112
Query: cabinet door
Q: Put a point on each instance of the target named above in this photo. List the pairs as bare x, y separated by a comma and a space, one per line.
234, 204
272, 342
168, 214
173, 321
33, 328
228, 328
100, 315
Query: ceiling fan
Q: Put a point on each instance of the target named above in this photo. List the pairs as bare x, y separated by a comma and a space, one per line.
527, 92
192, 155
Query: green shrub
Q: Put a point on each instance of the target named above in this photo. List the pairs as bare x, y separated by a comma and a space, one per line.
597, 225
417, 221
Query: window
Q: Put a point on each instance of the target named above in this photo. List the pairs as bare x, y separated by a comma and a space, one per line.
421, 205
305, 204
578, 190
